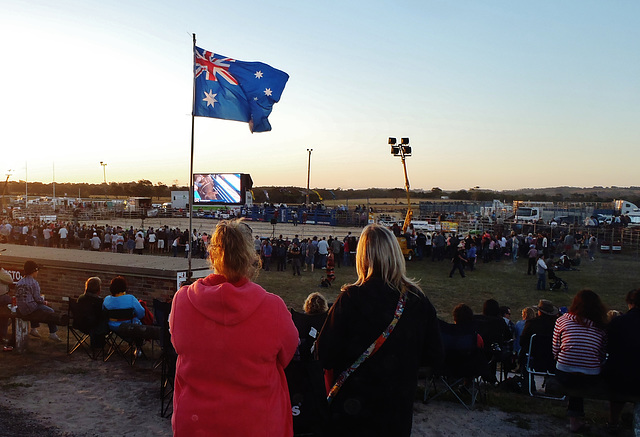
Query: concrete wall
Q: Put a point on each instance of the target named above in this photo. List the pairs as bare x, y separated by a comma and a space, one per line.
66, 278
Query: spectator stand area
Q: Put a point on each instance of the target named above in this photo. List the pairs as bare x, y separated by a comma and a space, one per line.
64, 272
62, 277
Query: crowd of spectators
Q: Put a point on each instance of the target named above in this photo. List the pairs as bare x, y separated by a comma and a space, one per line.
583, 325
487, 246
584, 345
105, 238
309, 253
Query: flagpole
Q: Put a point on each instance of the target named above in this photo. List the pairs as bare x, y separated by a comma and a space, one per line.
193, 105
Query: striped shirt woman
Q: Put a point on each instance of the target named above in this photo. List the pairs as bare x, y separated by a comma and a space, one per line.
578, 346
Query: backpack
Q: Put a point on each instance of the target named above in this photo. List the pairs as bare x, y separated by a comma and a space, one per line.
515, 384
148, 315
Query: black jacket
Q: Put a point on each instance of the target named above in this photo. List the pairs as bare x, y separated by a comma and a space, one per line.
90, 315
377, 399
542, 326
623, 346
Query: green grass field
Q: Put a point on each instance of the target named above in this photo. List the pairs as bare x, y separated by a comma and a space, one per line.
611, 276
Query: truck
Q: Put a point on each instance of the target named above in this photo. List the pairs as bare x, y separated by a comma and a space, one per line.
532, 211
624, 207
179, 199
528, 214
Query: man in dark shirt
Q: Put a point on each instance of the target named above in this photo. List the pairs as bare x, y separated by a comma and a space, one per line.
623, 346
542, 326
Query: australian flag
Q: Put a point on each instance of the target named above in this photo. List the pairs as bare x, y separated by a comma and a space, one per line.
235, 90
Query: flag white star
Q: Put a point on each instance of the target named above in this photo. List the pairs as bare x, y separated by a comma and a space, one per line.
267, 92
210, 98
255, 98
258, 74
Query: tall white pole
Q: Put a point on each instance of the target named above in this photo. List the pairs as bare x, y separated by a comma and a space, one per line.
308, 174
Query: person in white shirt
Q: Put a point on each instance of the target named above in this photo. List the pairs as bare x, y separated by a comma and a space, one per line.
95, 242
63, 237
323, 251
46, 233
541, 270
152, 240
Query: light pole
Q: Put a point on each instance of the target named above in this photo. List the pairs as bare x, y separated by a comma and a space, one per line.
403, 149
308, 174
104, 174
104, 171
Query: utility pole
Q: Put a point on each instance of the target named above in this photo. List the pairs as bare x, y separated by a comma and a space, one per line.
104, 174
308, 174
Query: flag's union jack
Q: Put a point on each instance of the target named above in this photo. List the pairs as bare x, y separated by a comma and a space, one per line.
211, 66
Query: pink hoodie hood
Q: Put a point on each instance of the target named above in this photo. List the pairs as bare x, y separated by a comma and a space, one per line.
223, 302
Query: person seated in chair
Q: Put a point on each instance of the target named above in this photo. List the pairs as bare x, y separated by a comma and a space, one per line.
579, 349
5, 299
463, 316
508, 360
31, 304
90, 319
542, 326
494, 332
463, 346
309, 324
119, 299
528, 313
621, 368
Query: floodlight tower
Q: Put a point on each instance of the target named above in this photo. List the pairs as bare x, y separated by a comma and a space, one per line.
4, 189
104, 174
104, 171
403, 149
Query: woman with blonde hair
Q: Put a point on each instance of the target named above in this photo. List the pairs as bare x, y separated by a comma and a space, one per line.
233, 341
315, 304
378, 332
528, 313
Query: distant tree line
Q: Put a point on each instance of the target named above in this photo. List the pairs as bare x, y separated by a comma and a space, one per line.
141, 188
297, 195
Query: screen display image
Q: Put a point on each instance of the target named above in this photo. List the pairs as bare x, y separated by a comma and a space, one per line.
217, 188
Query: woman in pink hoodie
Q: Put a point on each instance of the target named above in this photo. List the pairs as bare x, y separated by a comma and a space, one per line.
233, 341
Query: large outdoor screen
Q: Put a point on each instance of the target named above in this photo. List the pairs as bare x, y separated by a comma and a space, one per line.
217, 188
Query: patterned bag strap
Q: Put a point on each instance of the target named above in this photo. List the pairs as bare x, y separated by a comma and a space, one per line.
370, 350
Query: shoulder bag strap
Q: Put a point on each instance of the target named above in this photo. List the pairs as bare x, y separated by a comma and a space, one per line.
370, 350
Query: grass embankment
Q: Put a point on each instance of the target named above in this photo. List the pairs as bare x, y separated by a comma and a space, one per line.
609, 276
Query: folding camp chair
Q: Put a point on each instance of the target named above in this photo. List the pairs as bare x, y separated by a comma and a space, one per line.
464, 365
540, 362
80, 330
309, 327
118, 343
497, 344
168, 357
306, 384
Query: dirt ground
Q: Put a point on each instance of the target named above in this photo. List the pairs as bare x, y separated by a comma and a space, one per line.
45, 393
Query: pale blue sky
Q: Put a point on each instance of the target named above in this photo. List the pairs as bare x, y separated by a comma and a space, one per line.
496, 94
